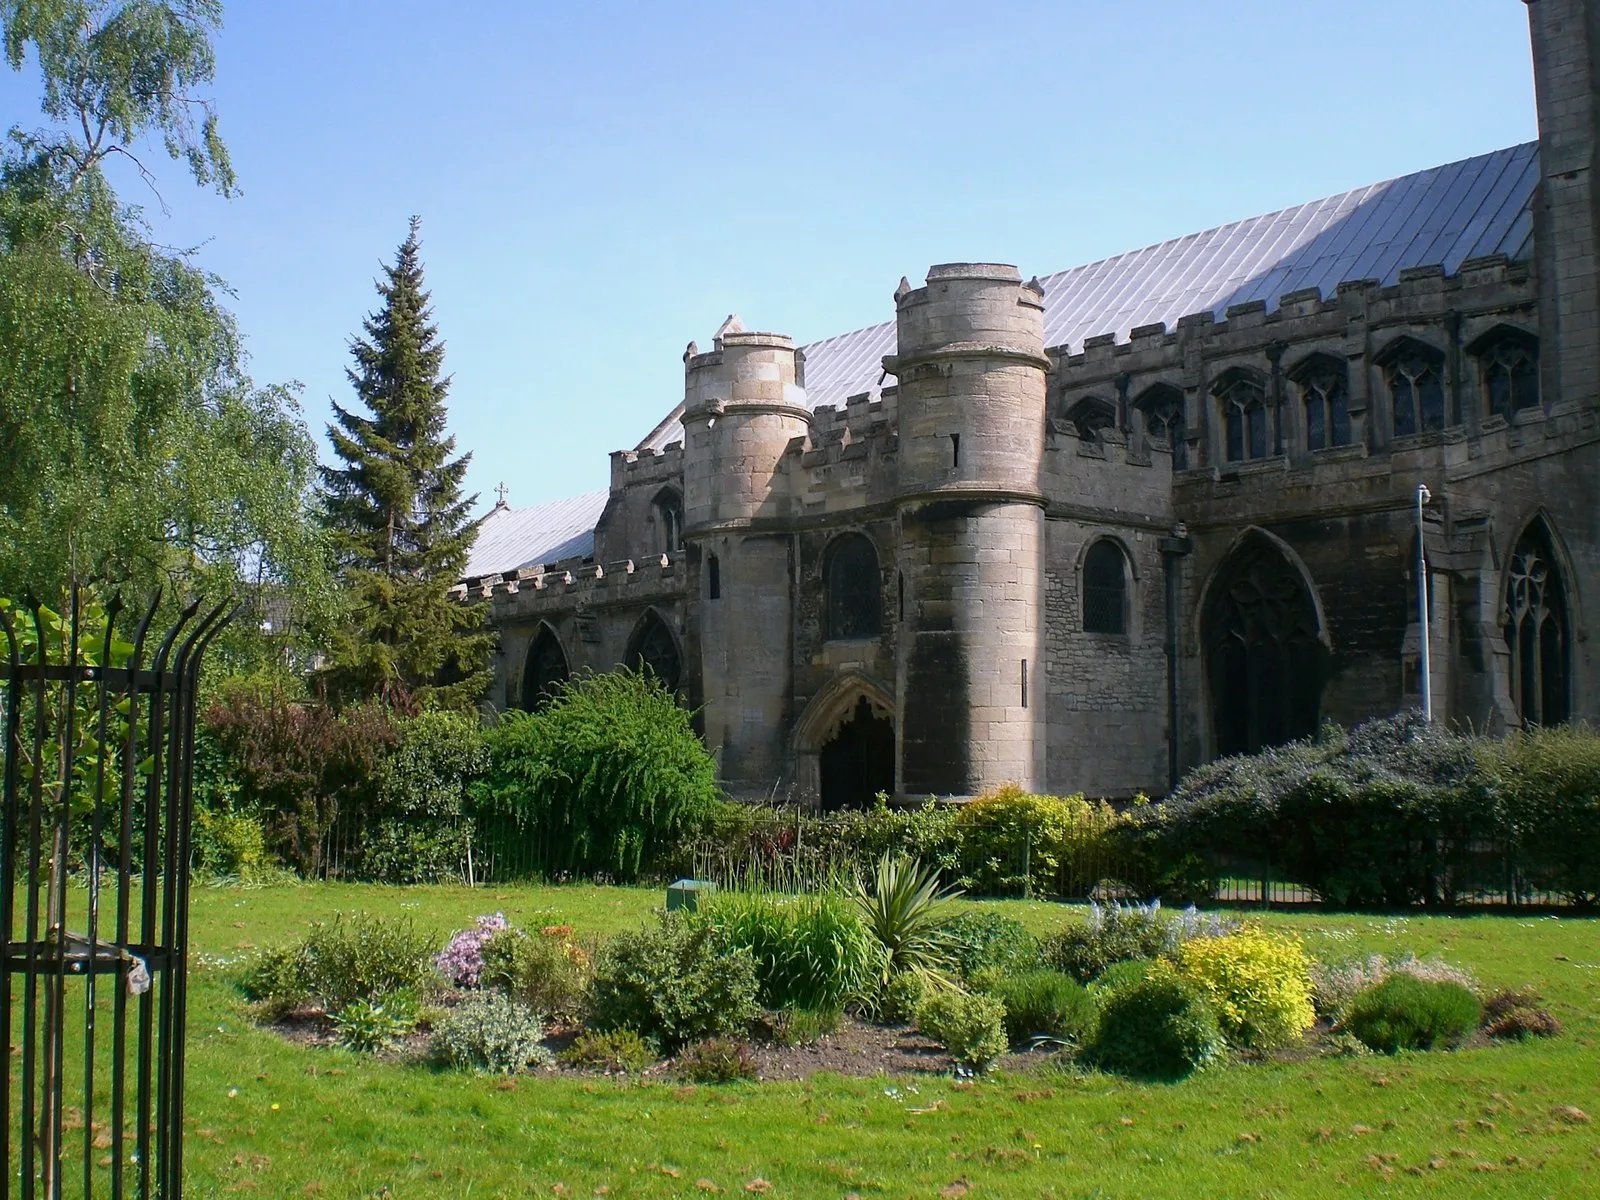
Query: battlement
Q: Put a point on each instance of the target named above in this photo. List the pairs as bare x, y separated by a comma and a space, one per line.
1417, 289
630, 468
564, 584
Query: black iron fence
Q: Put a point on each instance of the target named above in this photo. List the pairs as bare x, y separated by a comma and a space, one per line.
95, 810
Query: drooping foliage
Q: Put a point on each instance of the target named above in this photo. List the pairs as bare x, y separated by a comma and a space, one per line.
136, 447
401, 528
605, 778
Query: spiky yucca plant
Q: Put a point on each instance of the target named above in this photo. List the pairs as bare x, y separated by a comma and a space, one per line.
906, 910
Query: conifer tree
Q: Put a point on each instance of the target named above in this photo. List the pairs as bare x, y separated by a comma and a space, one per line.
398, 521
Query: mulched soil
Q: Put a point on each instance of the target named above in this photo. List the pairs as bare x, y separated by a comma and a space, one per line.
855, 1048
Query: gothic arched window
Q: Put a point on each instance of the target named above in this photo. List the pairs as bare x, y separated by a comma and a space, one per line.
1325, 392
1162, 406
652, 649
1509, 359
1415, 373
1536, 631
1105, 589
855, 590
1265, 661
668, 507
1091, 416
1244, 415
544, 670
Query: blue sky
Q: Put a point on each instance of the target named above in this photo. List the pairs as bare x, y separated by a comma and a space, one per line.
601, 182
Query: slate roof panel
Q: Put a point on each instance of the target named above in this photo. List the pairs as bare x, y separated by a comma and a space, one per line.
509, 538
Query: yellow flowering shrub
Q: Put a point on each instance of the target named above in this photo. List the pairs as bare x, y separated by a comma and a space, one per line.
1259, 984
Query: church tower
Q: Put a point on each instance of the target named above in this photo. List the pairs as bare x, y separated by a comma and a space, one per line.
1566, 74
970, 673
743, 404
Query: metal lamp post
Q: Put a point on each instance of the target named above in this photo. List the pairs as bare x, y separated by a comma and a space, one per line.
1423, 496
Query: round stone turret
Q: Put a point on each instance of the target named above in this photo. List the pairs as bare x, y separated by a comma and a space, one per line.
742, 405
971, 368
970, 656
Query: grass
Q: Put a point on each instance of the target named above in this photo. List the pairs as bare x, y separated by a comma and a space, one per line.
326, 1123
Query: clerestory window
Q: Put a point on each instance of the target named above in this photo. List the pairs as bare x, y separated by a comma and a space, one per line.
1244, 416
1162, 406
1415, 374
1325, 394
1509, 362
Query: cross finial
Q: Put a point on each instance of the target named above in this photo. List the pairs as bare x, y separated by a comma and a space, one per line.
502, 491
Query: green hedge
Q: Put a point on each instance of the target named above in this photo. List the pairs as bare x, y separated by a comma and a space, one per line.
1394, 812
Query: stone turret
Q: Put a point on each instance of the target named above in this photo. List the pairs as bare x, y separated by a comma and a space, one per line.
743, 404
971, 366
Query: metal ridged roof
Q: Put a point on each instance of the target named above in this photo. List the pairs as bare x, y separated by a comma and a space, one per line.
1445, 215
509, 538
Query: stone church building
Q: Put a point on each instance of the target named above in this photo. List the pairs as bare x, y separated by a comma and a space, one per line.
1085, 530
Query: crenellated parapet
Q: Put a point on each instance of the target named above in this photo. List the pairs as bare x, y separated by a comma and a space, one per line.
538, 590
636, 468
1176, 389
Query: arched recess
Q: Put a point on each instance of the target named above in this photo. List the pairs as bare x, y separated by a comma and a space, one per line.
1162, 407
667, 512
1106, 576
854, 587
1089, 416
1537, 620
1265, 645
654, 647
844, 742
544, 670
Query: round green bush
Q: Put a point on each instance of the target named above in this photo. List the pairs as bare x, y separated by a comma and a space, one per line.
971, 1027
674, 982
1119, 975
1157, 1028
1045, 1004
1407, 1013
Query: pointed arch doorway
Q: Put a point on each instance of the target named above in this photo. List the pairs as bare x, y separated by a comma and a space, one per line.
845, 743
1266, 658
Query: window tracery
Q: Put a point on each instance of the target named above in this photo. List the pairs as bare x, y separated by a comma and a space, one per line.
1536, 632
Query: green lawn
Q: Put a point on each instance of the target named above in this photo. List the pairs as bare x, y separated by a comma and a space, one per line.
326, 1123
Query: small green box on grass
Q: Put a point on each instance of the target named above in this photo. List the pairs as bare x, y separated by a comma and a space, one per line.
687, 893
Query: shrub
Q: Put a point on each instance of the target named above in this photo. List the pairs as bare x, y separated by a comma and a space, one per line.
1407, 1013
971, 1027
1109, 934
230, 845
717, 1060
1335, 985
1517, 1015
300, 764
673, 982
1258, 985
417, 831
1004, 828
1120, 975
1045, 1004
491, 1032
902, 995
549, 972
367, 1026
905, 909
810, 951
1551, 781
359, 957
1158, 1028
620, 1051
607, 777
461, 961
989, 939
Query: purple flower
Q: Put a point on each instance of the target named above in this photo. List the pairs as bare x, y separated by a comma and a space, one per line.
461, 962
